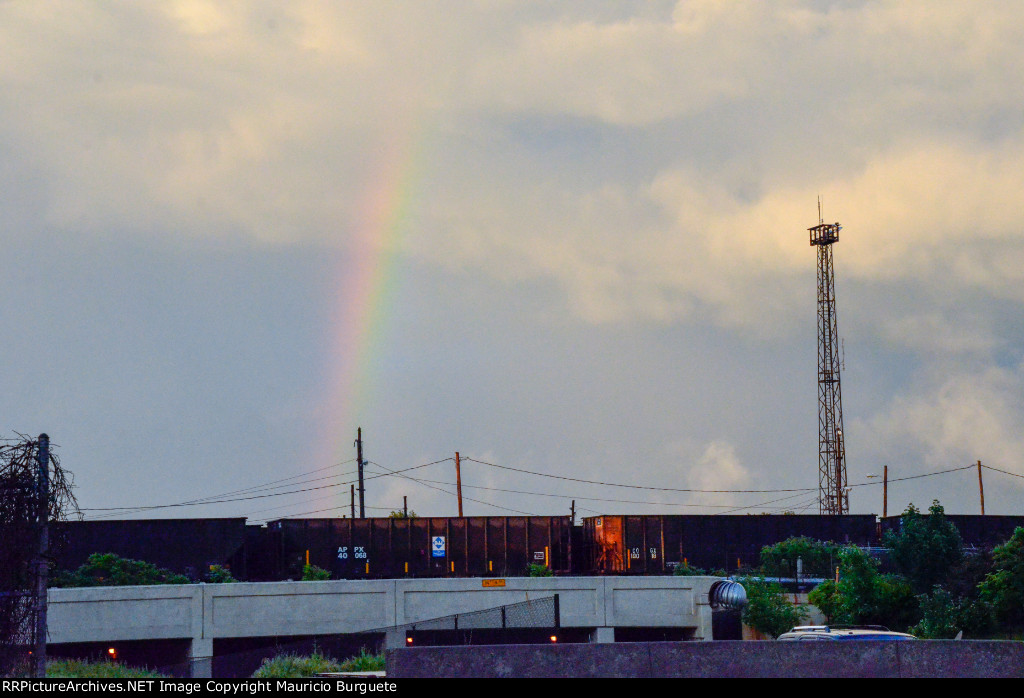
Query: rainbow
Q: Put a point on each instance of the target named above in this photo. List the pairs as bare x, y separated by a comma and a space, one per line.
366, 289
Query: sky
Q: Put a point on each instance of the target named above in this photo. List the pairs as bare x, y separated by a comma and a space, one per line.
567, 238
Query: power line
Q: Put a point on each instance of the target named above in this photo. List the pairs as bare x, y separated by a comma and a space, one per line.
211, 499
915, 477
761, 504
262, 491
257, 496
320, 511
636, 487
1005, 472
592, 499
425, 484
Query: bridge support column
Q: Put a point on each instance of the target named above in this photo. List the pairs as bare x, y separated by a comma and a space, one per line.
200, 657
603, 635
394, 638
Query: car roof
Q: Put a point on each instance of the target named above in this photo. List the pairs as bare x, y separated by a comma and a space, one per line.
862, 632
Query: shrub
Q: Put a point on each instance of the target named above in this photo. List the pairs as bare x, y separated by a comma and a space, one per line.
79, 669
312, 573
535, 570
219, 575
364, 661
292, 666
683, 569
108, 569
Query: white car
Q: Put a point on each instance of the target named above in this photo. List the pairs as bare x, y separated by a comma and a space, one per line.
844, 632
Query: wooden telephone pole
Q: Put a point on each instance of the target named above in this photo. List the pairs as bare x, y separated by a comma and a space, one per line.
359, 458
458, 481
981, 489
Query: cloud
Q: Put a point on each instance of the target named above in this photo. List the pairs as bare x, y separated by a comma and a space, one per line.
953, 420
718, 468
691, 171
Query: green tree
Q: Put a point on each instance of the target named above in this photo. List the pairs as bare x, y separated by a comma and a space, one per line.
400, 514
926, 548
865, 596
767, 610
829, 601
1004, 585
944, 615
108, 569
779, 560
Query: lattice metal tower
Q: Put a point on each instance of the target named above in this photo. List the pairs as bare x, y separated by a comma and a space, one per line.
833, 495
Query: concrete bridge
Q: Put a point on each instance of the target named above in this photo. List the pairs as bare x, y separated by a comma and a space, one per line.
197, 615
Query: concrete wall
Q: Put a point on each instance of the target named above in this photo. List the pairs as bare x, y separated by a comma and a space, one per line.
922, 658
208, 611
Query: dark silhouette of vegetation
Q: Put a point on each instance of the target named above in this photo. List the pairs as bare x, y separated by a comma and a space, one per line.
218, 574
938, 590
819, 559
683, 569
24, 509
1004, 585
944, 615
926, 548
110, 570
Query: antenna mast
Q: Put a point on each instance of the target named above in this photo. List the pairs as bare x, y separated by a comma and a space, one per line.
833, 493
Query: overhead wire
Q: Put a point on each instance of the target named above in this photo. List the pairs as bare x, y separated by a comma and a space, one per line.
591, 499
635, 487
425, 484
913, 477
264, 490
250, 497
1005, 472
760, 504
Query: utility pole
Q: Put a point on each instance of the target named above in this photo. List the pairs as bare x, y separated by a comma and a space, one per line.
981, 489
359, 458
352, 491
405, 506
572, 514
42, 569
885, 491
458, 481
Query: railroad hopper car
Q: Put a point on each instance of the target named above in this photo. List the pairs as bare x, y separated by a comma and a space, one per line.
185, 546
975, 531
473, 546
656, 544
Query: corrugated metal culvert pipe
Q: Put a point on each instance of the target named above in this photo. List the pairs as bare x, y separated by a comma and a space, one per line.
727, 594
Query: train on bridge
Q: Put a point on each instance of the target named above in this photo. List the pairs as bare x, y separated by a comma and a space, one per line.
478, 546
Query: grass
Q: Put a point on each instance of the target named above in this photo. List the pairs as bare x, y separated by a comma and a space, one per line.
292, 666
364, 661
79, 669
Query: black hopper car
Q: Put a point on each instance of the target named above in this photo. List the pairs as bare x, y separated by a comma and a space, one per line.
477, 546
